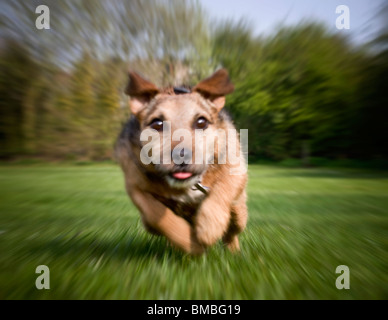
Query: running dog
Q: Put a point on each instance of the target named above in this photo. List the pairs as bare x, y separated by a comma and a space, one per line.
193, 203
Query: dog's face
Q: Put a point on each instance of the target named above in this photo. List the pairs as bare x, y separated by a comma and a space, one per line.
179, 131
179, 120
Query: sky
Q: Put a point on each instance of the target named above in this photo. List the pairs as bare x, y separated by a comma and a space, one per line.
267, 14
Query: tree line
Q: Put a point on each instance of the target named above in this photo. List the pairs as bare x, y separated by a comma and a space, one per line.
301, 92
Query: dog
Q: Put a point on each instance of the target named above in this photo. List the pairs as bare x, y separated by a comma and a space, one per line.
192, 203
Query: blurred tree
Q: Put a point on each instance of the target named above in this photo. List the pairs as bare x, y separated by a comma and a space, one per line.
370, 136
296, 90
107, 113
317, 83
300, 92
18, 74
82, 87
170, 37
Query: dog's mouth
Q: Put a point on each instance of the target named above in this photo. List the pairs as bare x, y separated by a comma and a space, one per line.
182, 179
182, 175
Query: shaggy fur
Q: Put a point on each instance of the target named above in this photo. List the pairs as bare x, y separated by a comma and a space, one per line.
188, 218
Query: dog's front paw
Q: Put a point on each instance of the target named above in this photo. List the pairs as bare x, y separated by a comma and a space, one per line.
205, 235
211, 225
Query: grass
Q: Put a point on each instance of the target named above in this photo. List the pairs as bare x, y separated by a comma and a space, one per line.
303, 223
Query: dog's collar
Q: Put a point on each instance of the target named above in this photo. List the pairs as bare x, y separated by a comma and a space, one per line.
199, 186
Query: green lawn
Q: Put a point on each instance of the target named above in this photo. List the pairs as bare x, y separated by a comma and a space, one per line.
303, 223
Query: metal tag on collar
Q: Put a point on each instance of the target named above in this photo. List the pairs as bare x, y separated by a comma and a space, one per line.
202, 188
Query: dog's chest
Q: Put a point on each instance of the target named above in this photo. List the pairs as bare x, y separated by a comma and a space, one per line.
184, 205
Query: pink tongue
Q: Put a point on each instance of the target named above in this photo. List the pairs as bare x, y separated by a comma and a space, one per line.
182, 175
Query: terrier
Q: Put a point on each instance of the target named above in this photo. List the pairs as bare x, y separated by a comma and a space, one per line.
188, 191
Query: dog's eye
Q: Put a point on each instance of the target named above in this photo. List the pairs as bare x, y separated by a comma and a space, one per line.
157, 124
201, 123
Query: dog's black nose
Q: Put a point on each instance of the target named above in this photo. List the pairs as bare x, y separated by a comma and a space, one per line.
181, 90
181, 156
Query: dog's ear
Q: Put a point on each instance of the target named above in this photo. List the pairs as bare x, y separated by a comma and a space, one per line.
215, 88
141, 92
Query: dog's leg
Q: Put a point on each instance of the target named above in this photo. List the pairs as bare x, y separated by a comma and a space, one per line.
214, 216
149, 228
232, 242
162, 220
212, 220
238, 221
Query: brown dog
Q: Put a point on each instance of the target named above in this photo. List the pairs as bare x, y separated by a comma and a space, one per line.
171, 195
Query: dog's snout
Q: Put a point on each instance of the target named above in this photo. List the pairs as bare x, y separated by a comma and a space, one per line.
181, 155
